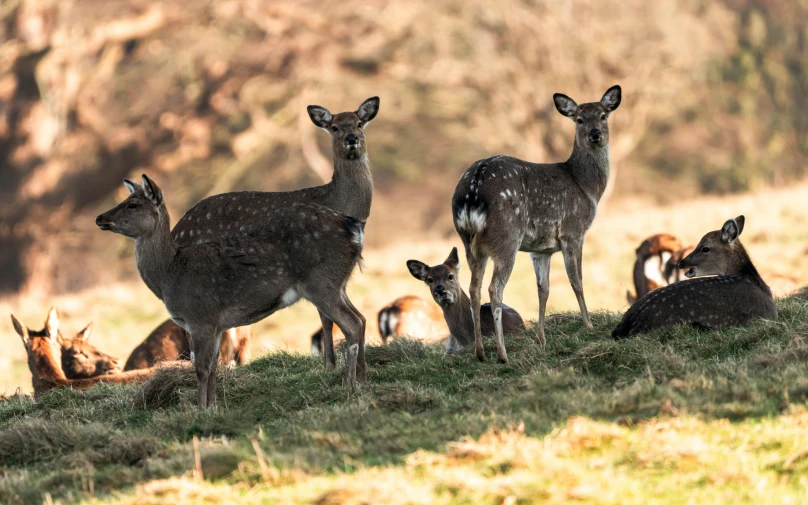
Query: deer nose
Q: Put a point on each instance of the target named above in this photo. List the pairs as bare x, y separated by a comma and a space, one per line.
98, 220
351, 139
681, 265
439, 289
595, 134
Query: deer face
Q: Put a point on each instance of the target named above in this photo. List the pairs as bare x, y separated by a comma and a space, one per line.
347, 129
33, 339
81, 360
714, 253
441, 279
591, 119
138, 215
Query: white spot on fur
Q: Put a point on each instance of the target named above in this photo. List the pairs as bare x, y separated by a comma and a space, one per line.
193, 358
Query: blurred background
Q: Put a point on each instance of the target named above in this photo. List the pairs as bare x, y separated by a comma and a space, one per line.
208, 97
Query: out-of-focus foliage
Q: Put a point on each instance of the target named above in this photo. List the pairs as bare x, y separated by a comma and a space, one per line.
209, 96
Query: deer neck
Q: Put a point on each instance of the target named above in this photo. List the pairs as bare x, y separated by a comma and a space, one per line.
46, 373
590, 168
351, 189
460, 319
154, 253
741, 264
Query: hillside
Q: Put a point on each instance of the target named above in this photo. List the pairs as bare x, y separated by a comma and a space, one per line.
676, 416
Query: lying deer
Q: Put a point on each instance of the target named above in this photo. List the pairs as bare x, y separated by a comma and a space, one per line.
350, 193
301, 251
169, 342
82, 360
655, 265
736, 295
447, 293
503, 205
46, 374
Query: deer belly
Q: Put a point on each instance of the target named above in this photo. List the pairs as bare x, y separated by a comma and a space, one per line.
540, 241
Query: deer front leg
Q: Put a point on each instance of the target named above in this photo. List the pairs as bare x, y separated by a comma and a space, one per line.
204, 342
361, 365
573, 253
541, 265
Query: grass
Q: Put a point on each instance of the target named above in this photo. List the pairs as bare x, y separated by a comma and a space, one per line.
675, 416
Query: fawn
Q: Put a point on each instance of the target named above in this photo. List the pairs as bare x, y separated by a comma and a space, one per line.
82, 360
301, 251
502, 205
447, 293
735, 296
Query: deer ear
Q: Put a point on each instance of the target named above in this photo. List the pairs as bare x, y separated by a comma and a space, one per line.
21, 329
85, 333
368, 110
611, 99
52, 322
740, 220
320, 116
153, 193
418, 269
565, 105
730, 231
131, 186
453, 261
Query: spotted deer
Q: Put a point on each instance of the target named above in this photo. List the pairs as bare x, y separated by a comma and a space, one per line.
502, 205
655, 265
239, 279
733, 295
82, 360
350, 193
46, 373
446, 291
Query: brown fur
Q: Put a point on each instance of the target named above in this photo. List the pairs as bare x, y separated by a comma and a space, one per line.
82, 360
655, 246
735, 296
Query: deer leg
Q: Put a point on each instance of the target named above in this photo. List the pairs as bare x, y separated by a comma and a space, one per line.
477, 267
361, 365
541, 264
204, 341
573, 253
212, 372
502, 272
337, 310
328, 341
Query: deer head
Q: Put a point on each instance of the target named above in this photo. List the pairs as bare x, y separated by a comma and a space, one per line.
138, 215
441, 279
718, 251
346, 128
81, 360
591, 118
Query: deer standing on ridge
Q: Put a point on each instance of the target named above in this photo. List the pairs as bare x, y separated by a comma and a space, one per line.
735, 296
349, 193
502, 205
301, 251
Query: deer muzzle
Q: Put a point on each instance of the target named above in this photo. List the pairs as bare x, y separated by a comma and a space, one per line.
103, 223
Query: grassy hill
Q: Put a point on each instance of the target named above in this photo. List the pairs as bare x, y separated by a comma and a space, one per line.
676, 416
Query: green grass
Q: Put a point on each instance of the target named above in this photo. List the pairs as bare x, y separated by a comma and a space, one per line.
673, 416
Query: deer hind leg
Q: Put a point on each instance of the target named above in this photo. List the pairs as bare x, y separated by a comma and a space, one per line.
337, 310
477, 266
328, 341
205, 341
541, 264
502, 272
573, 253
361, 365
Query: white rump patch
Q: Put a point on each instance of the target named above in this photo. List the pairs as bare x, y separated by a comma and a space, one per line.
471, 221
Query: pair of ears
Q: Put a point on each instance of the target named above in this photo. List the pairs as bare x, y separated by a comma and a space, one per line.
732, 229
148, 187
322, 118
567, 106
420, 270
52, 323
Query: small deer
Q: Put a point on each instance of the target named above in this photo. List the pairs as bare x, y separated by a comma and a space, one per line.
169, 342
502, 205
46, 374
447, 293
241, 278
651, 268
350, 193
736, 296
414, 317
82, 360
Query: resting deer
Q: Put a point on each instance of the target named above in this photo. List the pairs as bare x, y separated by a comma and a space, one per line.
301, 251
447, 293
502, 205
46, 374
169, 342
735, 296
350, 193
652, 266
82, 360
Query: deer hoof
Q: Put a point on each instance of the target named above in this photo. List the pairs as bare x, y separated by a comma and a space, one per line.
502, 360
480, 354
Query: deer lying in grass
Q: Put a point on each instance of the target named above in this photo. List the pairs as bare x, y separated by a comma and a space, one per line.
301, 251
656, 264
82, 360
735, 296
447, 293
46, 374
503, 205
169, 342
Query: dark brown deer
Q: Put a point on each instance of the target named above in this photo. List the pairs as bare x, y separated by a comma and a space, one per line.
241, 278
447, 293
82, 360
46, 374
651, 268
503, 205
350, 193
169, 342
736, 295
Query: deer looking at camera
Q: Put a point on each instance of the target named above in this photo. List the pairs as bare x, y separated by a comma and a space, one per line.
735, 296
502, 205
349, 193
447, 293
301, 251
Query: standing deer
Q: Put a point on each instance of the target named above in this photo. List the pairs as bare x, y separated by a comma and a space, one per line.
301, 251
350, 193
502, 205
736, 297
447, 293
651, 268
82, 360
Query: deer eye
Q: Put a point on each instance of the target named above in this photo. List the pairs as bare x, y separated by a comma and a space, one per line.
705, 250
430, 280
603, 117
360, 124
334, 129
579, 121
132, 205
451, 277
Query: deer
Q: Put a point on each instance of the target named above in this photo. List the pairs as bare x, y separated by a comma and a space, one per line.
651, 268
734, 294
502, 205
169, 342
445, 289
82, 360
46, 374
302, 250
349, 192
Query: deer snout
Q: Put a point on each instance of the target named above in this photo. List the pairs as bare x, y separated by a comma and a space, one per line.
102, 223
595, 135
351, 139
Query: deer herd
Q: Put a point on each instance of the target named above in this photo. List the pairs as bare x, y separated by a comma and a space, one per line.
235, 258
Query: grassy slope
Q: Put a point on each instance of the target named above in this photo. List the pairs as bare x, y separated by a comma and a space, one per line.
678, 415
